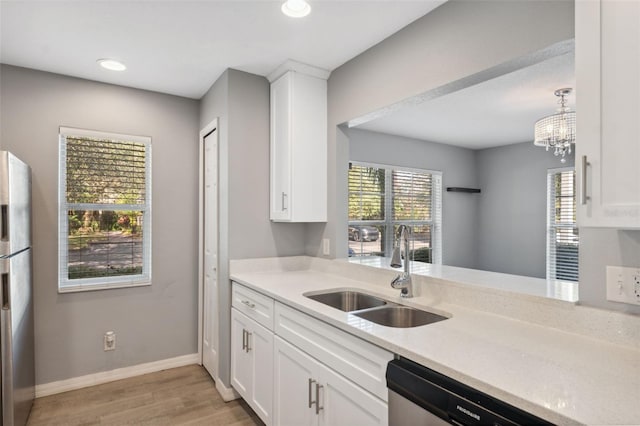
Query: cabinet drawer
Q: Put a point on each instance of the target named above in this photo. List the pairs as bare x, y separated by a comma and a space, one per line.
359, 361
253, 304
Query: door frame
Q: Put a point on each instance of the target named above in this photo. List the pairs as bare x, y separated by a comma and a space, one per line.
213, 125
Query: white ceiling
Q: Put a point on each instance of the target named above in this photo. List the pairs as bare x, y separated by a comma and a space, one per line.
497, 112
182, 47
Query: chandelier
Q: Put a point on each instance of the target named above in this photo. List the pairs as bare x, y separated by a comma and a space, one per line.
557, 131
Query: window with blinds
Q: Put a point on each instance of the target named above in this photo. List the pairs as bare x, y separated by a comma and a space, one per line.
562, 230
105, 210
381, 198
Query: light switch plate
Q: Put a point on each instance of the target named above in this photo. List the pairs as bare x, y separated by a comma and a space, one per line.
623, 284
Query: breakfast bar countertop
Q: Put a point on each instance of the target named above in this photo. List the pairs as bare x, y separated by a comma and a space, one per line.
566, 376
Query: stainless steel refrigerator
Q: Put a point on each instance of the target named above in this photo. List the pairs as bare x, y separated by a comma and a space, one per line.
16, 294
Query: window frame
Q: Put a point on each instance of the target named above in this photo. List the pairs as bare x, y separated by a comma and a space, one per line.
66, 285
389, 223
550, 258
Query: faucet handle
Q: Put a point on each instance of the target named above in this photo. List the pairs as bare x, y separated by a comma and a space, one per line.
403, 282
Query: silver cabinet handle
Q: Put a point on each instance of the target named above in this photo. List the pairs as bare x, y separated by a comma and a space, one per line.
583, 193
4, 222
311, 382
248, 341
318, 407
249, 304
6, 303
284, 207
244, 339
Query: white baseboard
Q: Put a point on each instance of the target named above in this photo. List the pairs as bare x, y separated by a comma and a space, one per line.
112, 375
227, 394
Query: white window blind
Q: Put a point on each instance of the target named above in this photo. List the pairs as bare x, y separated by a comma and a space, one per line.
562, 230
105, 210
367, 190
382, 198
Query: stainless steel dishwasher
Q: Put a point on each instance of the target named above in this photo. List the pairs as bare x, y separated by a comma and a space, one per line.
419, 396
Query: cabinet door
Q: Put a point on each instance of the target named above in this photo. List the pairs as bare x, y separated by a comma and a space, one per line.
345, 403
358, 360
293, 390
252, 364
281, 98
241, 362
298, 148
308, 149
608, 107
260, 347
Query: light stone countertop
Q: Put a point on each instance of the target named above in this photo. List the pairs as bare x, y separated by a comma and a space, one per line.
564, 377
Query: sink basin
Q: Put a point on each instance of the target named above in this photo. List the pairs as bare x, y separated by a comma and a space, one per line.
400, 316
375, 309
347, 300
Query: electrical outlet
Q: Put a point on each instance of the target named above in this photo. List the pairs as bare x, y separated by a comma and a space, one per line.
109, 341
326, 247
623, 284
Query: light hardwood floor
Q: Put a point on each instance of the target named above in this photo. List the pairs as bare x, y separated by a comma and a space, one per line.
180, 396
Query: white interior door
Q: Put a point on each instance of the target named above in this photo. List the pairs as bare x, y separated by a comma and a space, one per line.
210, 253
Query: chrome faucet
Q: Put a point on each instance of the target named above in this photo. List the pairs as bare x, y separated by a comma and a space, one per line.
402, 281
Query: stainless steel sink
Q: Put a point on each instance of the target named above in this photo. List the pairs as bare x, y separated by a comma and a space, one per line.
400, 316
347, 300
376, 309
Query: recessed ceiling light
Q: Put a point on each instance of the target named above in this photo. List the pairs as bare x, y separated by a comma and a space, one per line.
296, 8
112, 64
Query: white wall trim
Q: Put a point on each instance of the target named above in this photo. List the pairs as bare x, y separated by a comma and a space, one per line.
227, 394
112, 375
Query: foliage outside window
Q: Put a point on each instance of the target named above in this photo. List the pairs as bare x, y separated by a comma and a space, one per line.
383, 197
105, 210
562, 229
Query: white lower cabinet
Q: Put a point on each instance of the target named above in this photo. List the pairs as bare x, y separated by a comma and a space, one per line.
293, 372
296, 370
309, 393
252, 364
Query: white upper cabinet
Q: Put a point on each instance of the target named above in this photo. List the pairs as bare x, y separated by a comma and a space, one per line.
299, 146
608, 113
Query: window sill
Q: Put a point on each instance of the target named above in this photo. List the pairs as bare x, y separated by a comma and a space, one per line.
95, 287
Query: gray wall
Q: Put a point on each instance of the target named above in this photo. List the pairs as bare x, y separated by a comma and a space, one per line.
458, 39
513, 208
599, 248
458, 167
241, 101
151, 323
